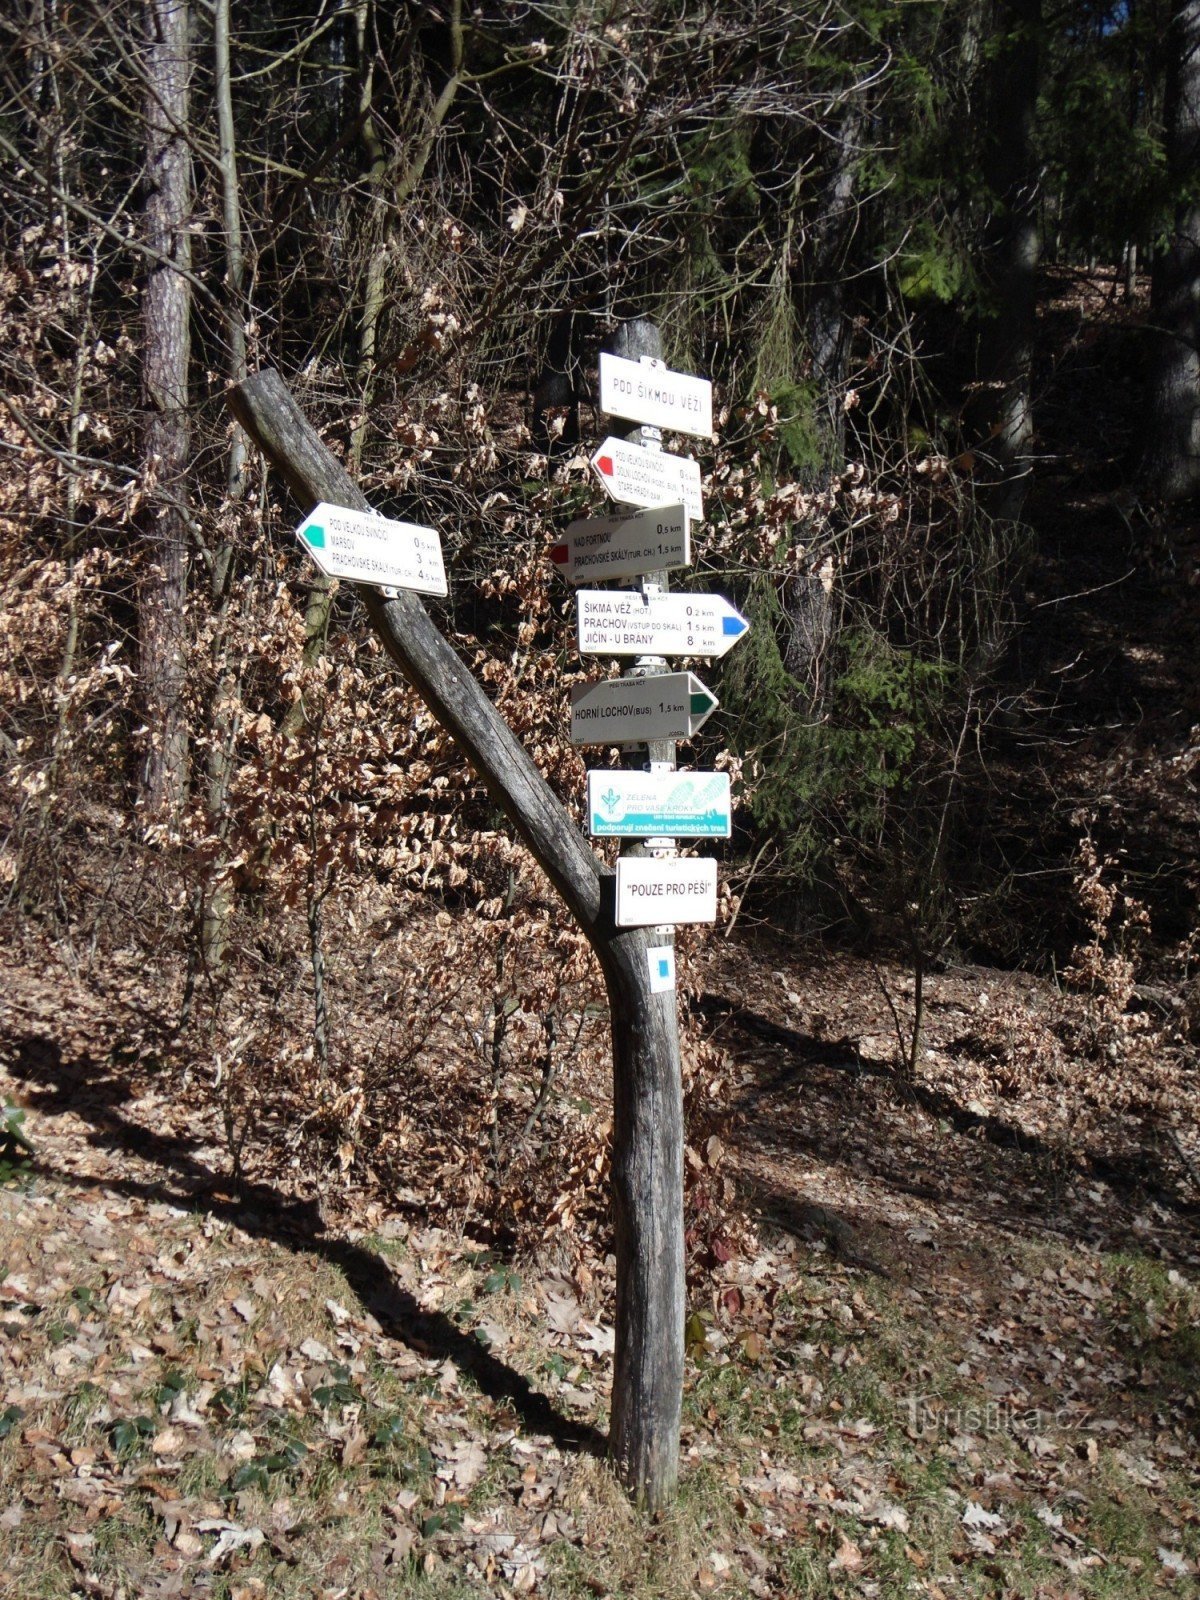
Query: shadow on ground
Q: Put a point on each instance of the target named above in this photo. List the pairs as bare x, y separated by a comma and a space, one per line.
96, 1094
818, 1099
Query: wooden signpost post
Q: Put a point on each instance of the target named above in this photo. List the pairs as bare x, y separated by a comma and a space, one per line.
654, 888
635, 953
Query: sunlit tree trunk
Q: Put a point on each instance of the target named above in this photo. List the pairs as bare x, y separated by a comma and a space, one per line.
1170, 465
224, 713
167, 317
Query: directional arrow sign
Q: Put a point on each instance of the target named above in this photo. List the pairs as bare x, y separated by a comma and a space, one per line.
655, 395
369, 549
632, 710
612, 622
640, 477
654, 892
647, 805
624, 547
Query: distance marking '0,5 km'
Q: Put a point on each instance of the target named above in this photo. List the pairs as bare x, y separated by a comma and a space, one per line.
624, 547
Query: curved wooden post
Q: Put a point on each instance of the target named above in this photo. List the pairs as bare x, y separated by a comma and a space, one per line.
647, 1122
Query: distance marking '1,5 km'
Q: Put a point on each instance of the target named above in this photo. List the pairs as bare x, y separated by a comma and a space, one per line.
614, 622
634, 710
596, 548
640, 477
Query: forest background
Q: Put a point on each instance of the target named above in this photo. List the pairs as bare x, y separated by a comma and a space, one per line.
941, 262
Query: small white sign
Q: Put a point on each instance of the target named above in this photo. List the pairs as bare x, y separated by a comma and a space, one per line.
369, 549
655, 395
624, 547
656, 805
613, 622
661, 960
653, 892
640, 477
672, 705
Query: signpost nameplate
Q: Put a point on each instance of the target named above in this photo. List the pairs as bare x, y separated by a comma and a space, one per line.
653, 805
633, 710
655, 395
376, 550
624, 547
640, 477
612, 622
652, 892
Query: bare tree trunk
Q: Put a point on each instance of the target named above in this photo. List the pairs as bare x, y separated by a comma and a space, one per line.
167, 331
1170, 456
808, 595
388, 196
216, 899
1001, 410
830, 239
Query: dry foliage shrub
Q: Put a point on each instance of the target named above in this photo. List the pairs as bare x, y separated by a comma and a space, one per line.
1139, 1048
1102, 1070
65, 663
465, 1066
469, 1075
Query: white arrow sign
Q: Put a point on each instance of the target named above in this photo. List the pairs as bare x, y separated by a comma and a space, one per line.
655, 395
376, 550
613, 622
654, 805
640, 477
624, 547
632, 710
654, 892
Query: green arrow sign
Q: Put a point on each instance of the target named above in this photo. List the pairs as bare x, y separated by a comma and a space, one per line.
633, 710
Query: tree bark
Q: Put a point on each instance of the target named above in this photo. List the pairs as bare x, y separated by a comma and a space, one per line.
1170, 464
167, 305
216, 898
807, 595
648, 1175
1001, 409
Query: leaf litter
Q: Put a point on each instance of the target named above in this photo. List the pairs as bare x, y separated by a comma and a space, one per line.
917, 1358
